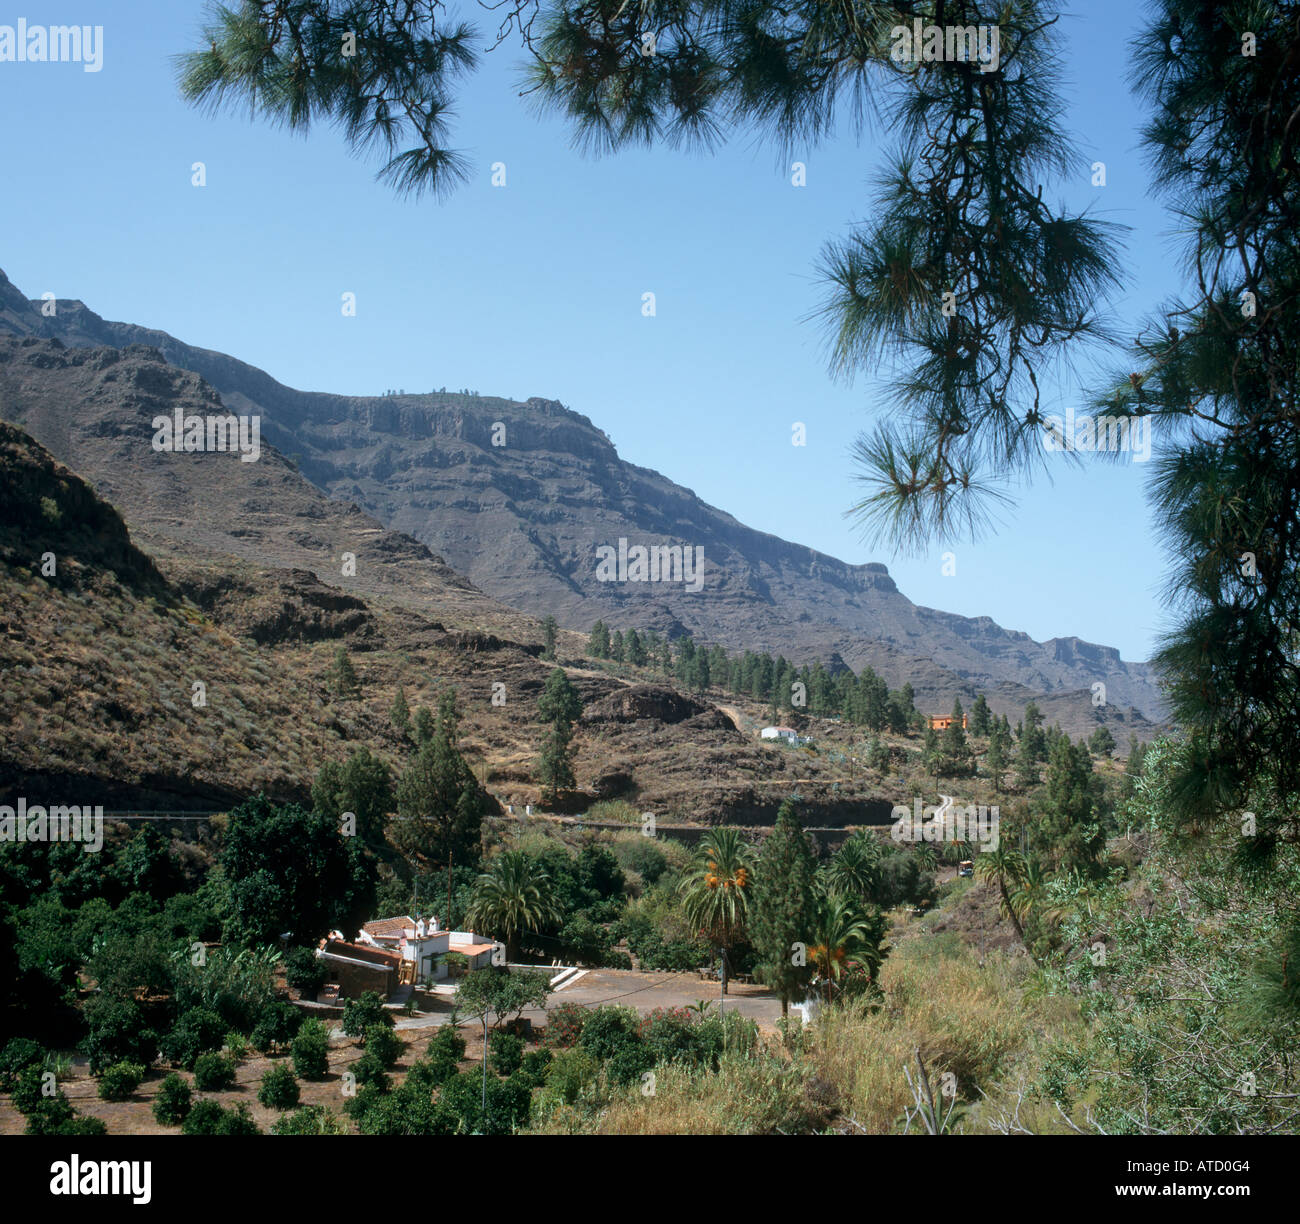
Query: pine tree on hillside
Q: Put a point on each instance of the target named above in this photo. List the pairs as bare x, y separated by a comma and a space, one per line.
1026, 763
440, 804
995, 762
980, 722
560, 706
954, 736
549, 630
1068, 831
1101, 742
598, 643
782, 908
633, 648
344, 677
424, 727
399, 714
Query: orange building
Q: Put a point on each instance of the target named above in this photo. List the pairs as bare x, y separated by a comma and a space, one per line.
943, 722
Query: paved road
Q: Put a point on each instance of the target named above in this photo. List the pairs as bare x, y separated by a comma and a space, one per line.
644, 991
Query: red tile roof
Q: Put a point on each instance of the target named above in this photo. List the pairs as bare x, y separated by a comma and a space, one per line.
388, 926
380, 957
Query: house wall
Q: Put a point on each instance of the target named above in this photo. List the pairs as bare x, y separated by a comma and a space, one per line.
354, 980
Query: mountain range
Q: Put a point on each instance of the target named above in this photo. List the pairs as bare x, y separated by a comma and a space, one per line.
512, 503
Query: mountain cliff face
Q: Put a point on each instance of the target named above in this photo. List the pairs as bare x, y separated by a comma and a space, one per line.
519, 498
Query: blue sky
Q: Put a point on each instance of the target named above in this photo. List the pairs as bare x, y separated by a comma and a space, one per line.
536, 288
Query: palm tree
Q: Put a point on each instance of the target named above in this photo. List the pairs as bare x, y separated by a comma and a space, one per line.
846, 937
855, 869
512, 896
1032, 892
715, 895
1006, 869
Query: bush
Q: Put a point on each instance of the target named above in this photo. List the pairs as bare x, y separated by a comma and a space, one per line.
643, 857
52, 1115
360, 1014
673, 1036
199, 1030
383, 1043
29, 1088
203, 1118
305, 972
119, 1081
172, 1103
506, 1053
208, 1118
119, 1032
311, 1051
610, 1029
570, 1074
276, 1026
279, 1089
439, 1064
19, 1054
564, 1025
308, 1120
76, 1126
536, 1064
508, 1103
410, 1110
629, 1063
369, 1070
213, 1073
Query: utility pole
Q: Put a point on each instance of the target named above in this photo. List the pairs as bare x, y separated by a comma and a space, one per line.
485, 1053
450, 855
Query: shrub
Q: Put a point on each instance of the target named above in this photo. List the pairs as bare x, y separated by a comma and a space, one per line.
629, 1062
535, 1065
643, 857
311, 1051
119, 1081
308, 1120
506, 1053
279, 1089
119, 1032
76, 1126
172, 1103
29, 1088
610, 1029
203, 1118
461, 1102
305, 972
50, 1115
571, 1073
410, 1110
439, 1064
360, 1014
19, 1054
213, 1073
208, 1118
199, 1030
369, 1070
383, 1043
564, 1025
276, 1026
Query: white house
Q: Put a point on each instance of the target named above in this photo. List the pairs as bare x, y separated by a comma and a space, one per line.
422, 945
787, 735
477, 949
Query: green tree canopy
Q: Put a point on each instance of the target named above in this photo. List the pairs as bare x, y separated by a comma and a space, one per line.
781, 909
291, 871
